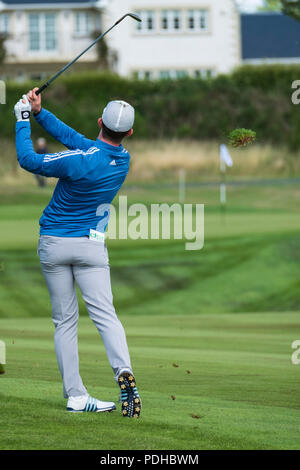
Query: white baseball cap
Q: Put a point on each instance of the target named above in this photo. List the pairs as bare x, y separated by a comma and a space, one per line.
118, 116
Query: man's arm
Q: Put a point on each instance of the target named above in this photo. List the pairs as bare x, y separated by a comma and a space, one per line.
60, 131
64, 165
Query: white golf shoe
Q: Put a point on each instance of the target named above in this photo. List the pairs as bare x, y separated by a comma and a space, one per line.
88, 403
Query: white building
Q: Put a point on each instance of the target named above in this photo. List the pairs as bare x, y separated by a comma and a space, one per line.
43, 36
195, 37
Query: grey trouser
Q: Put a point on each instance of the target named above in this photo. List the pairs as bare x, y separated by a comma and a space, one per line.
65, 261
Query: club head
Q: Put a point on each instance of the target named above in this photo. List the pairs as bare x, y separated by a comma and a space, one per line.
135, 17
132, 15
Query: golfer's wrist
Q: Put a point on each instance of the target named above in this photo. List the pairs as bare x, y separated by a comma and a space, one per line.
36, 113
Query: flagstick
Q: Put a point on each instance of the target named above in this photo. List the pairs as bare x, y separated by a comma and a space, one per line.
225, 160
223, 198
182, 185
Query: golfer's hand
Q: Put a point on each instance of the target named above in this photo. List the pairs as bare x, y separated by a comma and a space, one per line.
35, 100
23, 109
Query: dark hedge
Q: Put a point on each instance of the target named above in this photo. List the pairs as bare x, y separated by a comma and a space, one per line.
257, 98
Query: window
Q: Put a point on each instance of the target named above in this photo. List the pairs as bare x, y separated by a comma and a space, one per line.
197, 20
37, 77
204, 73
170, 20
210, 73
145, 75
181, 74
4, 23
42, 32
164, 20
34, 32
148, 21
83, 23
164, 74
172, 74
50, 35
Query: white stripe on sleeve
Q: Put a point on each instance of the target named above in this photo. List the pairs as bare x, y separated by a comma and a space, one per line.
57, 156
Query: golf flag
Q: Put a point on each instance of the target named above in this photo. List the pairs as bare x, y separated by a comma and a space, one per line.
225, 160
225, 157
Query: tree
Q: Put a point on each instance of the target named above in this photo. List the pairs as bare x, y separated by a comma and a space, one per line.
271, 5
2, 48
291, 8
102, 50
288, 7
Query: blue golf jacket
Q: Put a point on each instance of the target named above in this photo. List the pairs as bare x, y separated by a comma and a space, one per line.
90, 175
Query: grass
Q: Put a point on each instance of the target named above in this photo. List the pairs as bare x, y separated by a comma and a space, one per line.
247, 273
254, 251
228, 314
160, 160
242, 387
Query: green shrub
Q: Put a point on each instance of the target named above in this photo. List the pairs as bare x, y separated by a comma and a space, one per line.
258, 98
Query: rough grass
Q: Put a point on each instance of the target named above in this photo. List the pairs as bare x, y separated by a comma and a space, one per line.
162, 159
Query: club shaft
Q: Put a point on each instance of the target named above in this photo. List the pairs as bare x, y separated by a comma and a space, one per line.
54, 77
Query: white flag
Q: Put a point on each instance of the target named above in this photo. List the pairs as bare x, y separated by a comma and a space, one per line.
225, 156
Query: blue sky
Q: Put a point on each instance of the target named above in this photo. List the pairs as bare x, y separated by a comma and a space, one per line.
249, 5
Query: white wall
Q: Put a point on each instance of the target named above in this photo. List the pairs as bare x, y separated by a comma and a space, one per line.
219, 49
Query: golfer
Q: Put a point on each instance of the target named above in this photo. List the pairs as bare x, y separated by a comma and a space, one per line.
71, 244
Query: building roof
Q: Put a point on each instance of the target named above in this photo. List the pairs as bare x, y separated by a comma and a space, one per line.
269, 35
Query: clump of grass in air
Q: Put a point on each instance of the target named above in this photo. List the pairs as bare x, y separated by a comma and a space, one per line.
242, 137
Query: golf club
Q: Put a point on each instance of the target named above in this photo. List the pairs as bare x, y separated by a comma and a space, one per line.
43, 87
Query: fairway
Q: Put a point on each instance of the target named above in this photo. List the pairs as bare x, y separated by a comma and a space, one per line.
149, 230
242, 391
225, 315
